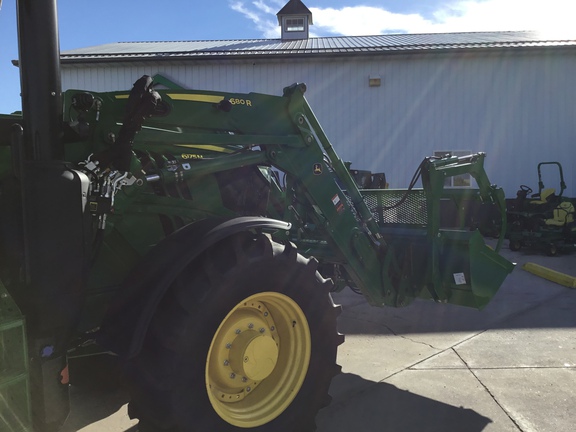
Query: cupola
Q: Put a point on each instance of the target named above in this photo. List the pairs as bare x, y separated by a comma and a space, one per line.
294, 19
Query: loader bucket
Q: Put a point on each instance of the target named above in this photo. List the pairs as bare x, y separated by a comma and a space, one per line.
471, 271
446, 263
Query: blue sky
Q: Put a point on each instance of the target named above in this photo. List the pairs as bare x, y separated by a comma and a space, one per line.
86, 23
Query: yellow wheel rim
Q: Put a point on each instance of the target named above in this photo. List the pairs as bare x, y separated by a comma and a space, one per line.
258, 359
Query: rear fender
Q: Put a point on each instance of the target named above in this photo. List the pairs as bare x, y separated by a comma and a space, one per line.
127, 320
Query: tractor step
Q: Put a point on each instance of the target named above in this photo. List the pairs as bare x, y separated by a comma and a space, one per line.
14, 380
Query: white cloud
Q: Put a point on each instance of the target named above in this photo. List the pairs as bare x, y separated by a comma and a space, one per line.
554, 17
259, 13
548, 16
264, 7
365, 20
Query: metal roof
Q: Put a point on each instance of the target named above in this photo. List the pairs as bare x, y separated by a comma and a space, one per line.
341, 45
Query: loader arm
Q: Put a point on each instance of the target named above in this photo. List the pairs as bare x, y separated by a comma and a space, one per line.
385, 261
361, 237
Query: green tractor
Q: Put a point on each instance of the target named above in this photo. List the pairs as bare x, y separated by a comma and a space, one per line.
197, 236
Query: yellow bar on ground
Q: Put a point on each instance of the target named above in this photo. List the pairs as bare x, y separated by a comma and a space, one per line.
551, 275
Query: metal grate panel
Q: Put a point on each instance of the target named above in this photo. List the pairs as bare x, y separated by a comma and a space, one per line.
413, 211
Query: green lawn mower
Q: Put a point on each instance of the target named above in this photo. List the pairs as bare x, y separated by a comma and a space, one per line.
542, 221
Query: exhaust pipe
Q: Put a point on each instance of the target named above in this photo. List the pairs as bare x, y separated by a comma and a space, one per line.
56, 227
39, 62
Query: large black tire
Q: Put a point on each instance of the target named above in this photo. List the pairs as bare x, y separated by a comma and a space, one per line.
246, 296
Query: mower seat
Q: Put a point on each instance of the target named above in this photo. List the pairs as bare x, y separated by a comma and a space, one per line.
563, 215
544, 195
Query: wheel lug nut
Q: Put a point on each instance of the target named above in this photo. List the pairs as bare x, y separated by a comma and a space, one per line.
232, 375
265, 314
248, 389
272, 328
244, 379
262, 330
228, 345
226, 362
238, 331
250, 326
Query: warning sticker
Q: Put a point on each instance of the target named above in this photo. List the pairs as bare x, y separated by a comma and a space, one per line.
338, 203
459, 279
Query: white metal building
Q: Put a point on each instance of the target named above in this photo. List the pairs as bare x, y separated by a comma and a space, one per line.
385, 101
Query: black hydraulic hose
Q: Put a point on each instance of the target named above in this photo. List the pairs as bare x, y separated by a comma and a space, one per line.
96, 247
141, 104
415, 177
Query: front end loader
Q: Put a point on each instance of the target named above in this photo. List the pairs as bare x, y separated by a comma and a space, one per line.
197, 236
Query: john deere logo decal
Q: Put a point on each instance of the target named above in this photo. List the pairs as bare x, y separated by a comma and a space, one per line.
317, 169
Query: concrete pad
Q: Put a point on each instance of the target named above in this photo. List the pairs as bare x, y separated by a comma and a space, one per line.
540, 337
538, 400
373, 359
520, 348
447, 359
415, 401
459, 388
